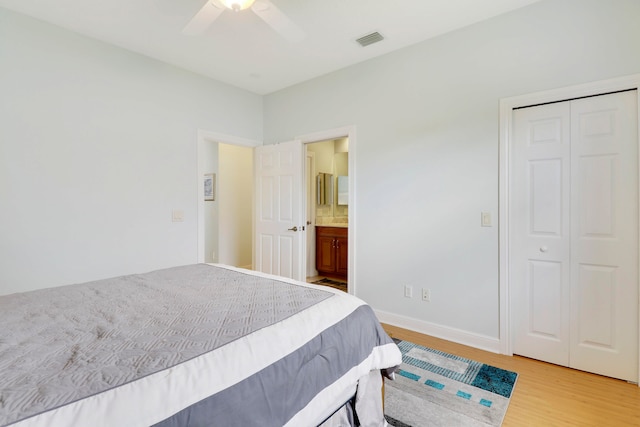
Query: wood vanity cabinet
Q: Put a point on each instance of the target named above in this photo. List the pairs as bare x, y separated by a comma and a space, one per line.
332, 256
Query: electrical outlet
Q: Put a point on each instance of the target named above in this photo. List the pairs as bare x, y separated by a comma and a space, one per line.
426, 294
408, 291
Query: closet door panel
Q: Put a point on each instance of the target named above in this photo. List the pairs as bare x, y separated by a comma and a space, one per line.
604, 183
540, 268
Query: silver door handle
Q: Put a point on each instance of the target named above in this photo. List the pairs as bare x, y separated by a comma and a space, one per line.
544, 249
295, 228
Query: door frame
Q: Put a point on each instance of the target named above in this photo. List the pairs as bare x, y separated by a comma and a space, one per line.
506, 140
310, 200
208, 137
350, 133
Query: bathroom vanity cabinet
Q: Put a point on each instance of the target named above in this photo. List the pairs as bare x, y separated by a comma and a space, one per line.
332, 256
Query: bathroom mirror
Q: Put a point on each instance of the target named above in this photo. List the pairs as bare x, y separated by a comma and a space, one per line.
343, 190
324, 188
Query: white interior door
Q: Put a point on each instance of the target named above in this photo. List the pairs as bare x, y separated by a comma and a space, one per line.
541, 234
279, 225
604, 256
574, 212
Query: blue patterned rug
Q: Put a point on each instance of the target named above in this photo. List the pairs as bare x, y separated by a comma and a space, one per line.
434, 388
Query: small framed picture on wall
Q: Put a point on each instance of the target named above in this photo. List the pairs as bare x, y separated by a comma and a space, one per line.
210, 187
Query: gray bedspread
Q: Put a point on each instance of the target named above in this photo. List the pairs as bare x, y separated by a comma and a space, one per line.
62, 344
272, 396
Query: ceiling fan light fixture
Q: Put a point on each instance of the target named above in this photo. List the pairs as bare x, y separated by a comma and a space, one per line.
237, 5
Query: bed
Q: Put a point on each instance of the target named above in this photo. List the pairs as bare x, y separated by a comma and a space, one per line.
196, 345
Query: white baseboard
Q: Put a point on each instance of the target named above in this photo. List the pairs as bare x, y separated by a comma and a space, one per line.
481, 342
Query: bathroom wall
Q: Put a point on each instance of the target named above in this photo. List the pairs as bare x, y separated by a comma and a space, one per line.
332, 157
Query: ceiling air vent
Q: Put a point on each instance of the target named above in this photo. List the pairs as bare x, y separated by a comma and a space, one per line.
370, 39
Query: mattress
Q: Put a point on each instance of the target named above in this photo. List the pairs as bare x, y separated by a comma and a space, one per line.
193, 345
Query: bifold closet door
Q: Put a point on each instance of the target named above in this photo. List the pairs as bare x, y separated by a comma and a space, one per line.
574, 245
541, 240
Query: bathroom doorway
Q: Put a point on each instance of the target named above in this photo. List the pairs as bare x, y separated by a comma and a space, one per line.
327, 207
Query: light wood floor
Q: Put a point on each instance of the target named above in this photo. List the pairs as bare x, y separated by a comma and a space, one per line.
549, 395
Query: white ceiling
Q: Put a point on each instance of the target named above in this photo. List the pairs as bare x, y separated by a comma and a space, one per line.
242, 50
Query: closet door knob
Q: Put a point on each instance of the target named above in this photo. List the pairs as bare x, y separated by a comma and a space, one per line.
543, 249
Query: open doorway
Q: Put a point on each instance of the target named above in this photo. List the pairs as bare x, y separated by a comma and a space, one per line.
225, 217
327, 185
235, 216
205, 141
228, 216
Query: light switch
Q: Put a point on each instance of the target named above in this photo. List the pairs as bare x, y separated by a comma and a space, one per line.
177, 216
486, 219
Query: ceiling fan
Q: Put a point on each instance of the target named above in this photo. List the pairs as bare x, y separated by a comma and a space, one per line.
263, 8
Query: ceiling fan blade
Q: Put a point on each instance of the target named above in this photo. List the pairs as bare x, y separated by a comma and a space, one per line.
278, 21
205, 17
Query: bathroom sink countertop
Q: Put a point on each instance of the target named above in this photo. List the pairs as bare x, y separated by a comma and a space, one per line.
333, 225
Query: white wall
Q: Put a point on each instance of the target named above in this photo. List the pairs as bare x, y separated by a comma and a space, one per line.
235, 184
427, 146
97, 147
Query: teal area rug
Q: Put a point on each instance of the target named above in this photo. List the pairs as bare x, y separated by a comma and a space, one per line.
434, 388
